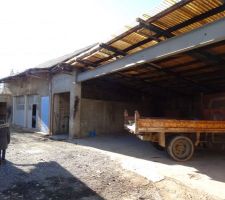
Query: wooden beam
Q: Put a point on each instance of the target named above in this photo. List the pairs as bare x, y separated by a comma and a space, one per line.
176, 66
208, 57
198, 18
179, 26
170, 74
176, 27
152, 37
165, 12
179, 77
146, 85
176, 45
151, 27
159, 68
136, 28
151, 65
113, 49
86, 63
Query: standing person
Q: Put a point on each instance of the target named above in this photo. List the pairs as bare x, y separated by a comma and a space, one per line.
4, 141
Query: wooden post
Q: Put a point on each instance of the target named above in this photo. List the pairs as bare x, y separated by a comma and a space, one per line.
136, 117
162, 139
126, 117
198, 135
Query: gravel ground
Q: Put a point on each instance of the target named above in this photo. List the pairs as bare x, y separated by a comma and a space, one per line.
40, 168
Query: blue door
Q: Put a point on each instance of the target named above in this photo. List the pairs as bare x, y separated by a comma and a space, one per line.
45, 114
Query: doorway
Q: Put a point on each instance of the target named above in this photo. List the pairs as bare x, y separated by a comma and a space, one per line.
32, 111
45, 112
61, 113
34, 115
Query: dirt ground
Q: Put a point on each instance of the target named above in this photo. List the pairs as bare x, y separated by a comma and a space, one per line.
40, 168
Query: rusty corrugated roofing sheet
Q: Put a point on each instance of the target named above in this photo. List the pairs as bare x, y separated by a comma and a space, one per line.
182, 16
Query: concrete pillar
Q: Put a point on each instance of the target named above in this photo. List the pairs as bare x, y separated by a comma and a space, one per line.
75, 102
25, 110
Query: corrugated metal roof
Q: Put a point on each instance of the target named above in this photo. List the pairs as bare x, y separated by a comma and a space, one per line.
46, 66
171, 18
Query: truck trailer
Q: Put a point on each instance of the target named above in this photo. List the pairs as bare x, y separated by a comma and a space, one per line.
178, 137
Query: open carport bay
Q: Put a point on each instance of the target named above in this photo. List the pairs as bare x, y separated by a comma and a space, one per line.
184, 86
177, 72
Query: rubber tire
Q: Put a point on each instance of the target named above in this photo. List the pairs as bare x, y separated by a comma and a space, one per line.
172, 144
157, 146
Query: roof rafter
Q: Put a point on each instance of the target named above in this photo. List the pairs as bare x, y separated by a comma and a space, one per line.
198, 18
149, 84
176, 45
113, 49
86, 63
179, 77
159, 68
151, 27
165, 12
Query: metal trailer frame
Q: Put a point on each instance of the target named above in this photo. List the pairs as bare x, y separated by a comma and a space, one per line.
163, 132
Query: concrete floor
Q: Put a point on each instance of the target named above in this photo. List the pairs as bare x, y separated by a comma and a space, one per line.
205, 171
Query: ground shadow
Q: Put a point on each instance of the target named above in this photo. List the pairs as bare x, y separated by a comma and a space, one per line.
46, 180
207, 162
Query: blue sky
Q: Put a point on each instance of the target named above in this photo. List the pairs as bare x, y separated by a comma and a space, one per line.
33, 32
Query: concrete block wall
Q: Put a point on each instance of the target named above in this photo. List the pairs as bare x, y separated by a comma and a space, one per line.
30, 86
46, 86
27, 87
103, 104
103, 117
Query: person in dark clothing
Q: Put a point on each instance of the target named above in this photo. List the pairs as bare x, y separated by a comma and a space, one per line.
4, 141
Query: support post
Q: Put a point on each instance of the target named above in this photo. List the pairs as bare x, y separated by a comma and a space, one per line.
75, 108
162, 139
25, 111
198, 136
14, 110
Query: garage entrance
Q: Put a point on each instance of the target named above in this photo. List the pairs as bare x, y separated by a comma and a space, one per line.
188, 86
61, 113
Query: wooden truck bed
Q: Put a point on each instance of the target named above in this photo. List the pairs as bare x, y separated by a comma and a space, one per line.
178, 137
138, 125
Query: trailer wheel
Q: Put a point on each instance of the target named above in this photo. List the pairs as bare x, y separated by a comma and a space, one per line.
180, 148
157, 146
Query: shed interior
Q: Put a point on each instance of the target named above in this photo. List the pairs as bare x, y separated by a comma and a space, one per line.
183, 86
190, 85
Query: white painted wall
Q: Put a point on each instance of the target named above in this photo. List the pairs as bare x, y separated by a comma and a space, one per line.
31, 100
19, 110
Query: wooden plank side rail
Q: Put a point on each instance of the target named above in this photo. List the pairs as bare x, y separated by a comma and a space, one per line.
148, 125
172, 123
178, 137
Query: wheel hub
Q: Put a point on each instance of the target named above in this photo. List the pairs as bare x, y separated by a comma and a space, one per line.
181, 149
